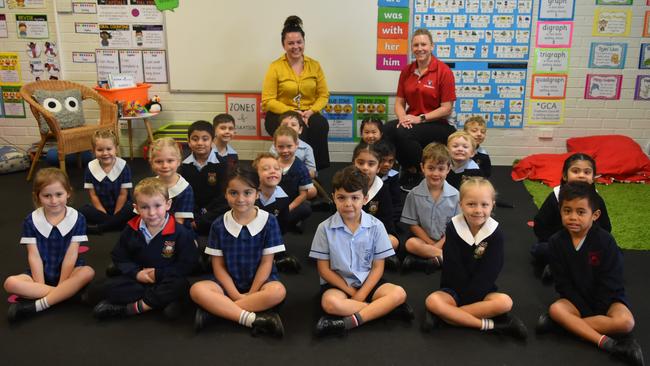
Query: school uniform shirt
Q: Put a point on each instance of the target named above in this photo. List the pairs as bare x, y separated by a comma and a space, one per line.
182, 197
548, 220
425, 93
277, 205
591, 275
284, 91
351, 255
242, 247
53, 241
469, 169
482, 158
229, 158
472, 262
391, 179
420, 209
107, 186
304, 153
295, 179
380, 205
172, 251
207, 182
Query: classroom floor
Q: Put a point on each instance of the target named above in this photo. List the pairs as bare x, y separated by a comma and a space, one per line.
68, 334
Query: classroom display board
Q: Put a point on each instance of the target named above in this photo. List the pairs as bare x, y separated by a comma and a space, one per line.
493, 91
231, 44
477, 29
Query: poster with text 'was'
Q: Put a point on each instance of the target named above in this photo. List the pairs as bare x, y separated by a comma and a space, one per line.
494, 91
339, 112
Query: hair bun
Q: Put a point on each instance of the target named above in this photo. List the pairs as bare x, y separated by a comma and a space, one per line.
293, 21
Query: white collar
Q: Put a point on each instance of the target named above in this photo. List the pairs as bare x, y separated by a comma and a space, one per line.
254, 227
556, 191
374, 188
391, 173
278, 193
178, 188
98, 172
463, 229
469, 164
212, 158
45, 228
229, 150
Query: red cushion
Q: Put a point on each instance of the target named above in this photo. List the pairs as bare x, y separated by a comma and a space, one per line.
617, 157
543, 167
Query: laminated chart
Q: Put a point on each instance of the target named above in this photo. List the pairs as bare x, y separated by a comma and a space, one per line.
477, 29
494, 91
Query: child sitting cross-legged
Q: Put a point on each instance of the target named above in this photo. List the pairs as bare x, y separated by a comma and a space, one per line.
474, 256
242, 244
427, 210
587, 268
154, 254
350, 247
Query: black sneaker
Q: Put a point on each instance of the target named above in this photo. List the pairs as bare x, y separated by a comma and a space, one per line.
112, 270
392, 262
173, 310
403, 312
288, 263
327, 325
431, 322
268, 322
412, 262
629, 351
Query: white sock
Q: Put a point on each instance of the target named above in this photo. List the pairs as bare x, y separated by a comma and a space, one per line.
246, 318
41, 304
487, 324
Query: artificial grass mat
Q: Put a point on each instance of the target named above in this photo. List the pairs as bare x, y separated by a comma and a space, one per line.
628, 206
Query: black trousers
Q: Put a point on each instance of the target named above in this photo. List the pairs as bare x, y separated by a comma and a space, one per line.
106, 221
409, 142
315, 135
124, 290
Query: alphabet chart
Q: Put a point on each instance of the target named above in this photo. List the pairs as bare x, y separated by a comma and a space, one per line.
477, 29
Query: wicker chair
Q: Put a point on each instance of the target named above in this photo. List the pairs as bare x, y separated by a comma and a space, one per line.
71, 140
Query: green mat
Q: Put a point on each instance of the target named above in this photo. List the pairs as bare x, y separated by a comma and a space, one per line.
628, 206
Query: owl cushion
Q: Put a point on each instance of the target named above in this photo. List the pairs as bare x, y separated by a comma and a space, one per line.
65, 105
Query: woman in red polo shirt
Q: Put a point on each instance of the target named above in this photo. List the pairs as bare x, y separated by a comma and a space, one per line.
427, 87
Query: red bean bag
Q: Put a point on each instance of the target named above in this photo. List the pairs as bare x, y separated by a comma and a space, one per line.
618, 158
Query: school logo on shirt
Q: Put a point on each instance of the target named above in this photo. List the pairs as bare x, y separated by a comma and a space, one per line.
276, 212
212, 179
168, 249
373, 207
594, 258
480, 250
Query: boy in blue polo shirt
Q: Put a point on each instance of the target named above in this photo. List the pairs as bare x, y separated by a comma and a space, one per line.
350, 247
154, 255
224, 131
427, 210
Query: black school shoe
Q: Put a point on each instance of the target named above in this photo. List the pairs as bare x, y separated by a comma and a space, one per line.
268, 322
21, 310
403, 312
629, 351
288, 263
112, 270
431, 321
510, 325
392, 263
202, 319
545, 324
428, 265
328, 325
105, 310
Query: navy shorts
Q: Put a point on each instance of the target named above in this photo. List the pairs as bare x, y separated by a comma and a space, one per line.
241, 290
368, 298
588, 311
462, 301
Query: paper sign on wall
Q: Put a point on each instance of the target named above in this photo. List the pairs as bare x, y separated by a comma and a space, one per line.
32, 26
4, 33
554, 34
83, 57
546, 112
131, 64
549, 86
245, 108
607, 55
551, 60
14, 105
603, 86
556, 10
155, 66
9, 68
642, 87
108, 62
339, 113
611, 23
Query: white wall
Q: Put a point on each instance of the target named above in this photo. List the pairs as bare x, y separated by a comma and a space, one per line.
583, 117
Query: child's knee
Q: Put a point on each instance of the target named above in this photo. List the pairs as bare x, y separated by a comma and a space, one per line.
197, 290
410, 244
277, 292
556, 310
86, 274
505, 303
394, 242
330, 304
432, 302
626, 323
10, 284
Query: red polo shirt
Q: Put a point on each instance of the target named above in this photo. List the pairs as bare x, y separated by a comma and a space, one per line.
424, 93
